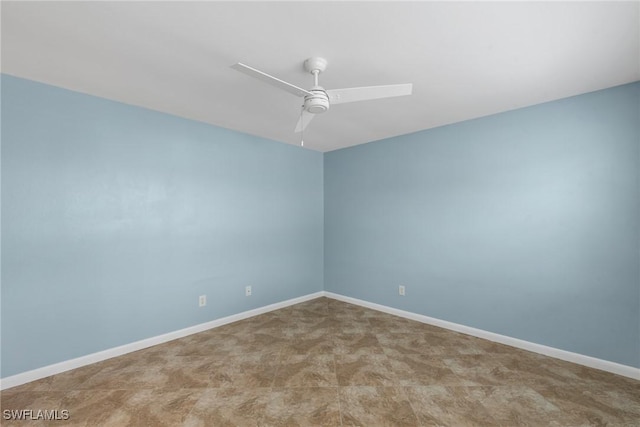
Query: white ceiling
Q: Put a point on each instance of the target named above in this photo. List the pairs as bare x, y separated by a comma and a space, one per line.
465, 60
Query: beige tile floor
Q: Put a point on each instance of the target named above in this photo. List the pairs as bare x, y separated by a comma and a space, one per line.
325, 362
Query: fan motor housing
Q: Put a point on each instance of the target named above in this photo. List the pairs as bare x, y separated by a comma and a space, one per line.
318, 102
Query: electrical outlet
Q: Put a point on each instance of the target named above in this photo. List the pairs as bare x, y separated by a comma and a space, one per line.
401, 290
247, 291
202, 300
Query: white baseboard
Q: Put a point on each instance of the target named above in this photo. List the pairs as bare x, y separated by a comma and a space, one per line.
67, 365
580, 359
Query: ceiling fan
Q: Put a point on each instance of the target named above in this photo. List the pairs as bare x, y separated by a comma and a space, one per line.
318, 100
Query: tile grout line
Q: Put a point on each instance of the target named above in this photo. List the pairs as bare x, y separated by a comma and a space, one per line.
335, 370
415, 414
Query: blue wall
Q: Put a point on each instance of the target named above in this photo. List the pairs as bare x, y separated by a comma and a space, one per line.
525, 223
116, 218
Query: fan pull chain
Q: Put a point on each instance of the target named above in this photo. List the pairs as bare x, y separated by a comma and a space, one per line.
302, 127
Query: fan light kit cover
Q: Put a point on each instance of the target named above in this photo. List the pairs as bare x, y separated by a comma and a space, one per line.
318, 100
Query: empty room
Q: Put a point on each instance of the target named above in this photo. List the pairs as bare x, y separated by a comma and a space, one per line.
320, 213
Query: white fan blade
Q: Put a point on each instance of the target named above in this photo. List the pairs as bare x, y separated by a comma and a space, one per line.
295, 90
304, 120
354, 94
